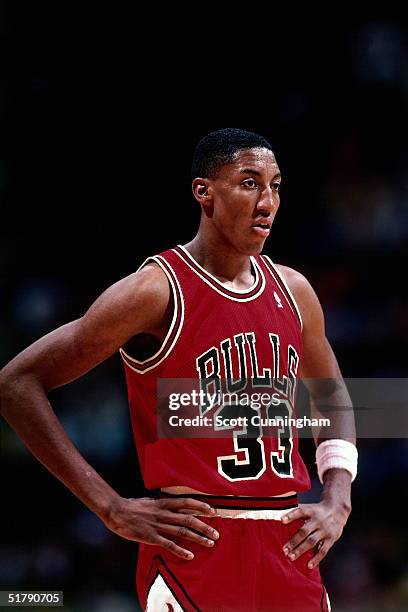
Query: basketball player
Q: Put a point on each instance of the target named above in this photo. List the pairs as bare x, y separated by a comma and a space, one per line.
226, 532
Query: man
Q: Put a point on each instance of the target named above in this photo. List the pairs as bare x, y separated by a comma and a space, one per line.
218, 312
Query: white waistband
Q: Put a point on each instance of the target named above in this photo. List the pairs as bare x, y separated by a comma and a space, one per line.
179, 490
275, 515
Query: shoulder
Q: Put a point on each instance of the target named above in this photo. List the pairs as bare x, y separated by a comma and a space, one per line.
150, 282
297, 282
139, 299
303, 292
133, 305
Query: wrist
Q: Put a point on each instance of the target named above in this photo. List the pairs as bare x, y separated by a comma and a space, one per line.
340, 505
104, 501
337, 490
109, 507
336, 453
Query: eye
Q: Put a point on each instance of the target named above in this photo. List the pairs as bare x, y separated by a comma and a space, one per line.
250, 182
276, 186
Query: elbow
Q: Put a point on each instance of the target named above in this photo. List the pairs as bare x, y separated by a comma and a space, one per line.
13, 387
5, 386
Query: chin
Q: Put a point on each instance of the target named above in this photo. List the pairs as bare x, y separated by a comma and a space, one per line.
255, 248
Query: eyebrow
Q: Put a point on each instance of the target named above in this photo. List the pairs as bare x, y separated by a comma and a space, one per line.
257, 173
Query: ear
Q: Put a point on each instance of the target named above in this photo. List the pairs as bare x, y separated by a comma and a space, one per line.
203, 194
201, 189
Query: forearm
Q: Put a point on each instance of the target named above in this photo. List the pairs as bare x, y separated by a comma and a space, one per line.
337, 489
26, 408
330, 400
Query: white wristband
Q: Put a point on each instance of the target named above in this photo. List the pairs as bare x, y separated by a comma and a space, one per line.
336, 454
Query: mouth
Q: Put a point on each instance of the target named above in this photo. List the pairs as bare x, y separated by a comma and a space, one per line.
262, 229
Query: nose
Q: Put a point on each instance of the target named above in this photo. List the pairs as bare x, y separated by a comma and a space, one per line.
266, 202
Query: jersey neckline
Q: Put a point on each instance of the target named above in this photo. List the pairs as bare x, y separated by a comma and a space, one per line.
238, 294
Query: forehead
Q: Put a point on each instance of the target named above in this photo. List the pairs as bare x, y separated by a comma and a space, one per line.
259, 159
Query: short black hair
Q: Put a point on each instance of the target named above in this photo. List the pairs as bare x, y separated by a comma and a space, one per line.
219, 148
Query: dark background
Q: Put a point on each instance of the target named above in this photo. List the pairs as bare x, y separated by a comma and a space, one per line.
98, 127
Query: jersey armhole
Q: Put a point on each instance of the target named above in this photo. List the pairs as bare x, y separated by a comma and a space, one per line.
141, 367
280, 280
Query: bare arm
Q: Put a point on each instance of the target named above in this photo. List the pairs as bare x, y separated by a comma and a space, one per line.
320, 371
134, 305
329, 398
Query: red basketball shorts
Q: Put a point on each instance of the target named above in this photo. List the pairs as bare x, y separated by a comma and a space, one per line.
245, 571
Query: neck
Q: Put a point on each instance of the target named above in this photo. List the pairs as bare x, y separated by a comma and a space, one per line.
220, 259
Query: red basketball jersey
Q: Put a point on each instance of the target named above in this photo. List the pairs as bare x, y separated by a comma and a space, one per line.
226, 342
